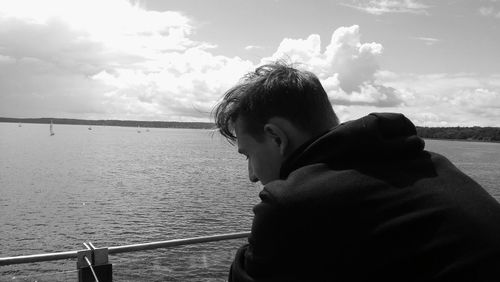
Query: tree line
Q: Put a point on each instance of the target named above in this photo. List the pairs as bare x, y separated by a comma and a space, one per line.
476, 133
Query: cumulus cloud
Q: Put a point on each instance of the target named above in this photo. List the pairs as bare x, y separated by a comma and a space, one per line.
66, 58
448, 99
183, 86
379, 7
346, 67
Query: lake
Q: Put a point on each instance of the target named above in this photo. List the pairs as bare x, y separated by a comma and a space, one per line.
114, 186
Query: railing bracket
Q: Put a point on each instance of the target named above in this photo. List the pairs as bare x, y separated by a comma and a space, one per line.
93, 265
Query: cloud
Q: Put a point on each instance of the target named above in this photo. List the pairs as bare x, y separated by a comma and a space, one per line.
115, 23
67, 58
489, 11
346, 66
180, 86
379, 7
253, 47
427, 40
448, 99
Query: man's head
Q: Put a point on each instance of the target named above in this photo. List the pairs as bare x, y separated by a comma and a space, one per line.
271, 112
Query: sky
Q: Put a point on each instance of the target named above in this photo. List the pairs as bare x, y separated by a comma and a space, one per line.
437, 62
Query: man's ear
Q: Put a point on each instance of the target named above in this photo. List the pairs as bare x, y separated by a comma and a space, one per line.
278, 136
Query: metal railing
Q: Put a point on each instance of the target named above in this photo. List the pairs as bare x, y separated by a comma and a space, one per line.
123, 249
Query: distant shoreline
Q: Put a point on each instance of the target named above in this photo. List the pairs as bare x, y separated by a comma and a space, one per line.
463, 140
126, 123
473, 134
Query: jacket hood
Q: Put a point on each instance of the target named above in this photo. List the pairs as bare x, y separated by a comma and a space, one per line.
374, 138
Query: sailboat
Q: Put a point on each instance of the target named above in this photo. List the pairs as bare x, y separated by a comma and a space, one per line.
138, 129
51, 129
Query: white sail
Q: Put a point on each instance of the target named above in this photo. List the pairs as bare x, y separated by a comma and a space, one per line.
51, 129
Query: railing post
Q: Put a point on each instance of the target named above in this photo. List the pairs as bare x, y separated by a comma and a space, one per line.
93, 265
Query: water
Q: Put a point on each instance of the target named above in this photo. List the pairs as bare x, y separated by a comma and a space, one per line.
114, 186
479, 160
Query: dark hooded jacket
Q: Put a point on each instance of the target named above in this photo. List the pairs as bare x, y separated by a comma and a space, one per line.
366, 202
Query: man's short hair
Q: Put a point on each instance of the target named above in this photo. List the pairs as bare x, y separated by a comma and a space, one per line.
275, 90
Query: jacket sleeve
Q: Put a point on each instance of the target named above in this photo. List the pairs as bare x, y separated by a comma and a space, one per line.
259, 260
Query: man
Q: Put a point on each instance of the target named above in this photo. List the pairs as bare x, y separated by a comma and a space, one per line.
359, 201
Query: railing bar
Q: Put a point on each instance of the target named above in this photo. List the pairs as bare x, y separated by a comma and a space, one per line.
123, 249
86, 246
173, 243
93, 247
38, 257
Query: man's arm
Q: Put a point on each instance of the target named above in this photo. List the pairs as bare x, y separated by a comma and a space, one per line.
260, 259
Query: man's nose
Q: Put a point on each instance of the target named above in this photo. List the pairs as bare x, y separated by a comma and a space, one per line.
251, 175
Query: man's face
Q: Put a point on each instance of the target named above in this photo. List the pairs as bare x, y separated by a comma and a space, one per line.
264, 158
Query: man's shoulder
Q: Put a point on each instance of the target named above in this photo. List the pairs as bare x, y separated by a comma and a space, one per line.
322, 183
315, 183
